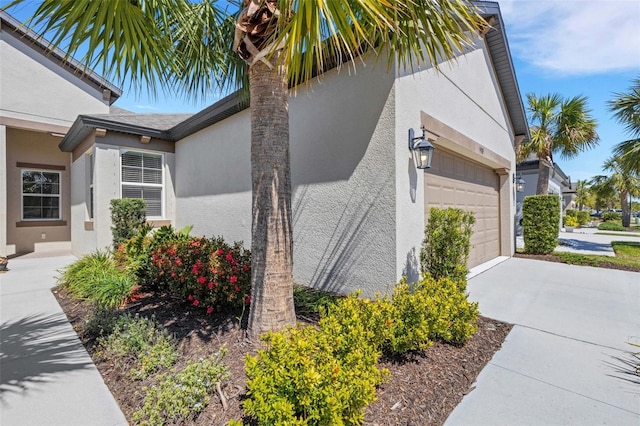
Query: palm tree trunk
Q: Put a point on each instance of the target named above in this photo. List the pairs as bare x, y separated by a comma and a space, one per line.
271, 233
543, 178
624, 205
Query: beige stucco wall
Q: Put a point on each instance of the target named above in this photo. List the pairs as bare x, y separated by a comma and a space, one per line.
35, 88
3, 191
38, 96
91, 234
39, 148
341, 137
358, 200
465, 96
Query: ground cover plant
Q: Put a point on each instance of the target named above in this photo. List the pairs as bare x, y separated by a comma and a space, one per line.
160, 353
629, 261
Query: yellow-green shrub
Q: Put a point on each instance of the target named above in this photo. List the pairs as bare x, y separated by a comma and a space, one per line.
313, 376
327, 374
570, 221
454, 318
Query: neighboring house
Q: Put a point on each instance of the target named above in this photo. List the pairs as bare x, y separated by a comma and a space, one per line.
41, 94
559, 183
359, 203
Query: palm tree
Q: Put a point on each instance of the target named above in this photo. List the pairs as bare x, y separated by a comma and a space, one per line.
626, 109
189, 46
584, 196
562, 126
621, 181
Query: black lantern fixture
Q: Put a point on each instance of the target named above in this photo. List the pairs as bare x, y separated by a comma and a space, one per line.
519, 182
421, 148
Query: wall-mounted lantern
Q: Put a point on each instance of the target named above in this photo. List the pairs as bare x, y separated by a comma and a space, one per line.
519, 182
421, 148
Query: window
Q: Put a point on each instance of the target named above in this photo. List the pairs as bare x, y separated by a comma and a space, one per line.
91, 160
40, 195
142, 178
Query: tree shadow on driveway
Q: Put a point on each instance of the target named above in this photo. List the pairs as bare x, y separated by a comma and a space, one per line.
34, 349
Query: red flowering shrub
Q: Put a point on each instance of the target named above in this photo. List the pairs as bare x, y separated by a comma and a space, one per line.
208, 273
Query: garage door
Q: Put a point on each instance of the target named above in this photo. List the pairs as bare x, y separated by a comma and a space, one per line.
453, 181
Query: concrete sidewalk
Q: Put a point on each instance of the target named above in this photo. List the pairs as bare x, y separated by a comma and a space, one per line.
559, 363
46, 376
589, 241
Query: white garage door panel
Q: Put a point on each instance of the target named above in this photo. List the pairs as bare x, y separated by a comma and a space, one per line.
455, 182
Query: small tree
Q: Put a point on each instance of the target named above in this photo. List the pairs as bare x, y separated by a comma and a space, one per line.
446, 245
541, 223
127, 216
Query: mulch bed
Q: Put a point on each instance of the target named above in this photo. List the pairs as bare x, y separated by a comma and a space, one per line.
555, 258
424, 387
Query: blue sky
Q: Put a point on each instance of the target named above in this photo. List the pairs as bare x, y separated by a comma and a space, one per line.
570, 47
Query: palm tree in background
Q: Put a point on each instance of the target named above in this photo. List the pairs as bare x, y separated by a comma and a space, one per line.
626, 109
558, 126
191, 48
584, 196
620, 181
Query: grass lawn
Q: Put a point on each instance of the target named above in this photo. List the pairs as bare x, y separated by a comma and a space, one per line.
627, 250
627, 257
631, 234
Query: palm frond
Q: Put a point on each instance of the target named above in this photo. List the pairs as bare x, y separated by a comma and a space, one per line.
626, 108
418, 32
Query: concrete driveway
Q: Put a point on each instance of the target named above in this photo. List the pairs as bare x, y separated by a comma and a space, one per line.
46, 375
558, 366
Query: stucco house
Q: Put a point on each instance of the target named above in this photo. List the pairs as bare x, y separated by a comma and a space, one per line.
359, 202
559, 183
41, 94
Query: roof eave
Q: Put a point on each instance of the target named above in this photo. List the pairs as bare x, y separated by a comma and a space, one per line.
75, 67
496, 39
85, 124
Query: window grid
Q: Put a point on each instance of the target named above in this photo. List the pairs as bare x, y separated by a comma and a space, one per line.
142, 177
41, 195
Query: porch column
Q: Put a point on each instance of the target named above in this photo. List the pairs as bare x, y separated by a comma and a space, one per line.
3, 190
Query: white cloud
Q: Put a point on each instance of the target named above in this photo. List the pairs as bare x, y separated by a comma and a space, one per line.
575, 37
147, 107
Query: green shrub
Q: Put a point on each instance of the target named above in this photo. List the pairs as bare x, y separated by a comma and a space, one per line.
445, 249
127, 216
311, 301
327, 375
312, 376
139, 342
209, 273
583, 218
432, 309
540, 223
102, 322
611, 226
571, 213
98, 278
570, 221
611, 216
179, 397
165, 235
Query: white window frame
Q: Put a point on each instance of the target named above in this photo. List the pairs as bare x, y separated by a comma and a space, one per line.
58, 195
150, 185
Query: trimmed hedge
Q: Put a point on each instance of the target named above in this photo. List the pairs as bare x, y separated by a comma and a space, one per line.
611, 226
541, 223
446, 245
611, 216
583, 218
